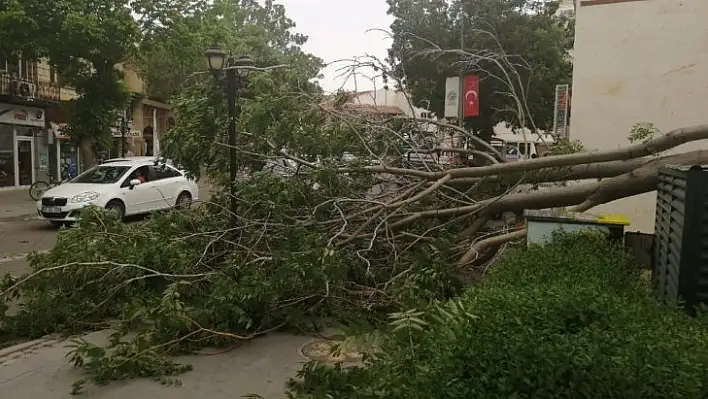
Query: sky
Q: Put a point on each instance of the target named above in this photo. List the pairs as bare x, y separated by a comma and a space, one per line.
337, 30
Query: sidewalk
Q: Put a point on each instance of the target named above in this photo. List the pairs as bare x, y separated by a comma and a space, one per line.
16, 204
39, 370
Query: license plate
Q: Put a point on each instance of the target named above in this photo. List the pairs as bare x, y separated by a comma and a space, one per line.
51, 209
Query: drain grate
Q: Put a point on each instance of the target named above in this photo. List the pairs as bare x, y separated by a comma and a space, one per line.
321, 350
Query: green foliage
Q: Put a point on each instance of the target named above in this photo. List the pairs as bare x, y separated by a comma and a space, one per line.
643, 131
567, 147
174, 49
571, 319
529, 42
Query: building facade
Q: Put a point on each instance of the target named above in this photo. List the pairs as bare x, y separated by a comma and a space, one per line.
638, 61
26, 94
34, 108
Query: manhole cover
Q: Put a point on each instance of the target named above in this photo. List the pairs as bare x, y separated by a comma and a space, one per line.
321, 351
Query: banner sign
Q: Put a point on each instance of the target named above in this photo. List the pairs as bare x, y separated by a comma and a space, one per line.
560, 115
452, 97
471, 105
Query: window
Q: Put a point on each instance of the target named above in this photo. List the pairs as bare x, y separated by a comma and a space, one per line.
101, 175
143, 171
10, 65
28, 70
164, 172
53, 76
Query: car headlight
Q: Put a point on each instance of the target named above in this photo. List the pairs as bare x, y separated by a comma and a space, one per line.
84, 197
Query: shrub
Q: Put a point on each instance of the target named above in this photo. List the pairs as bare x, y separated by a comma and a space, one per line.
569, 320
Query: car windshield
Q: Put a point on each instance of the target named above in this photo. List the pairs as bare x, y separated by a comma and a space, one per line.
102, 174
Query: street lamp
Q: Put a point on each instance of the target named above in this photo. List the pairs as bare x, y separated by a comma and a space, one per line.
236, 72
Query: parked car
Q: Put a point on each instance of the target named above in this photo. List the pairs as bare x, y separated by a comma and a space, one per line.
126, 187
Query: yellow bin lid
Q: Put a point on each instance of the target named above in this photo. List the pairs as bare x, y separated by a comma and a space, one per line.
613, 219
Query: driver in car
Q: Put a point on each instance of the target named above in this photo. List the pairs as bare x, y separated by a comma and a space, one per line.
138, 174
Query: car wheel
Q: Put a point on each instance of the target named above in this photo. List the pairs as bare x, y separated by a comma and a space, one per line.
117, 207
184, 200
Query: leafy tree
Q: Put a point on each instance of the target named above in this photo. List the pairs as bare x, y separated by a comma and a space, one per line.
18, 29
86, 41
523, 36
276, 105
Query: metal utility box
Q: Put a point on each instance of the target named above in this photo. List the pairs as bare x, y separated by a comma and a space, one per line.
540, 224
680, 259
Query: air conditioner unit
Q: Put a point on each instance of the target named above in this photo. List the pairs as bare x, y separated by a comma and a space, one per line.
24, 89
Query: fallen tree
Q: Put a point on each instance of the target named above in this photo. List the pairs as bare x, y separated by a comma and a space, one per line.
328, 241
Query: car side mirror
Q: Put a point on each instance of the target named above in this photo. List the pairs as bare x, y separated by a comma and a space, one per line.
134, 182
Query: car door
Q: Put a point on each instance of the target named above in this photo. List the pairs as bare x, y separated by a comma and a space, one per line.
165, 184
140, 198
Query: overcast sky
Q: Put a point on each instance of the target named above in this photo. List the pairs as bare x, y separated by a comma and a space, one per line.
338, 30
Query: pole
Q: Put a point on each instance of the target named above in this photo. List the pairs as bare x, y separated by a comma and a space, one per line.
122, 136
461, 96
232, 94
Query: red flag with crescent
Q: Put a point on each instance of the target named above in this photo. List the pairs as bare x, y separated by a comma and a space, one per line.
471, 96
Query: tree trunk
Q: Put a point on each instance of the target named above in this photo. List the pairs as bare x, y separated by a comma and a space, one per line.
88, 156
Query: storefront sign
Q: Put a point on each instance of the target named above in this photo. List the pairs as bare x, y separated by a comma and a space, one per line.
21, 115
132, 133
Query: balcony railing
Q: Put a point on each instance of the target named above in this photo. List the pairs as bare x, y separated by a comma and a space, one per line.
27, 89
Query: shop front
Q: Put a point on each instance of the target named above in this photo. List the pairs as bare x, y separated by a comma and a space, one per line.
22, 144
64, 157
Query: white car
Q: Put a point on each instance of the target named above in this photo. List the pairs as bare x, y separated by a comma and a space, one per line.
128, 187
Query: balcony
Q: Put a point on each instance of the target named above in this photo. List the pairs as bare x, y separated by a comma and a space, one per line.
28, 91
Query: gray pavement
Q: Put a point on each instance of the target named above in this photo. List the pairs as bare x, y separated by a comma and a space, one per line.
16, 204
261, 366
41, 371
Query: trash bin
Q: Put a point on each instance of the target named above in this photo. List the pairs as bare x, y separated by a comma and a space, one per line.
541, 224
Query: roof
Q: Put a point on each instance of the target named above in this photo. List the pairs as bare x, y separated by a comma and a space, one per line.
133, 159
370, 109
129, 163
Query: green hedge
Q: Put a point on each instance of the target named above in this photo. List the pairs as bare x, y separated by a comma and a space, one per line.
569, 320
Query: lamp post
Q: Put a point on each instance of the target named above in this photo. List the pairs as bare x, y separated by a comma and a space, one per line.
235, 70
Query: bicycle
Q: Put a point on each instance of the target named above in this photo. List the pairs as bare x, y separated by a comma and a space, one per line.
38, 188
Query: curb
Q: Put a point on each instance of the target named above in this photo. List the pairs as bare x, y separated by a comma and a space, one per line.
19, 218
7, 352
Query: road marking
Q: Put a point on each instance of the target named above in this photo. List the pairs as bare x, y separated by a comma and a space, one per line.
13, 258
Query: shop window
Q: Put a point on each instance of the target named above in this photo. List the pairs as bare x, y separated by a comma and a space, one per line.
7, 163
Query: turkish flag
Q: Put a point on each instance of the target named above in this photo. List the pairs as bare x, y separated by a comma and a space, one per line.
471, 96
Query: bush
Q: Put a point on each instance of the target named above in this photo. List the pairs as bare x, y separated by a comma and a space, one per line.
569, 320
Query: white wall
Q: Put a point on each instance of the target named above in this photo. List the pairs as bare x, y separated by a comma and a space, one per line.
639, 61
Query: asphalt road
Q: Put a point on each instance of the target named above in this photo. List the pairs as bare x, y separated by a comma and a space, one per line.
20, 237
